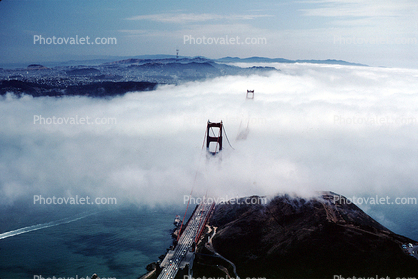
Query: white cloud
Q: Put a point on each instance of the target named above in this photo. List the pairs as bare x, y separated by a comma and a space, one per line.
388, 19
311, 127
361, 8
133, 31
191, 17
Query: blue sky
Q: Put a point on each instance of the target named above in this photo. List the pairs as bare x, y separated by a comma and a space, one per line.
378, 33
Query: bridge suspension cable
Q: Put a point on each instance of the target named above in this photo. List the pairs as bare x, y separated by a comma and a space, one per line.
207, 138
227, 138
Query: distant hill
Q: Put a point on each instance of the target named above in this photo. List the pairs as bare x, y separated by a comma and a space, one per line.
282, 60
139, 73
97, 60
36, 67
116, 77
255, 59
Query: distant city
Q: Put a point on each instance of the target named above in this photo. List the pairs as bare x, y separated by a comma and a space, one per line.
108, 78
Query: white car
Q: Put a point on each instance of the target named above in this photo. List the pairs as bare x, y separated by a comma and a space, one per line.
410, 245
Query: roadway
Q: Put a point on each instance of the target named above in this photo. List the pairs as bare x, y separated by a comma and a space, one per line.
414, 251
181, 252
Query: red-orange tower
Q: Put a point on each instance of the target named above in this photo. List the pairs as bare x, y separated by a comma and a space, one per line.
216, 139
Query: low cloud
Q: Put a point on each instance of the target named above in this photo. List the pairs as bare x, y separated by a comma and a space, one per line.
191, 18
359, 8
351, 130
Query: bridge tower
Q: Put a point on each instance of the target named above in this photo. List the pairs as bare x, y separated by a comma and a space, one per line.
250, 94
217, 140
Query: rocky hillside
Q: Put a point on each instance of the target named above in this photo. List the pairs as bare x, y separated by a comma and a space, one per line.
292, 237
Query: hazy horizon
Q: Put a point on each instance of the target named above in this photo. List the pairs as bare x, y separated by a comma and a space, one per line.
383, 33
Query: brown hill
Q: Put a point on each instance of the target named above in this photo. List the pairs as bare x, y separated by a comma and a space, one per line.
292, 237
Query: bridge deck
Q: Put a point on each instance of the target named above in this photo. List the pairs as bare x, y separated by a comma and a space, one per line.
182, 254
